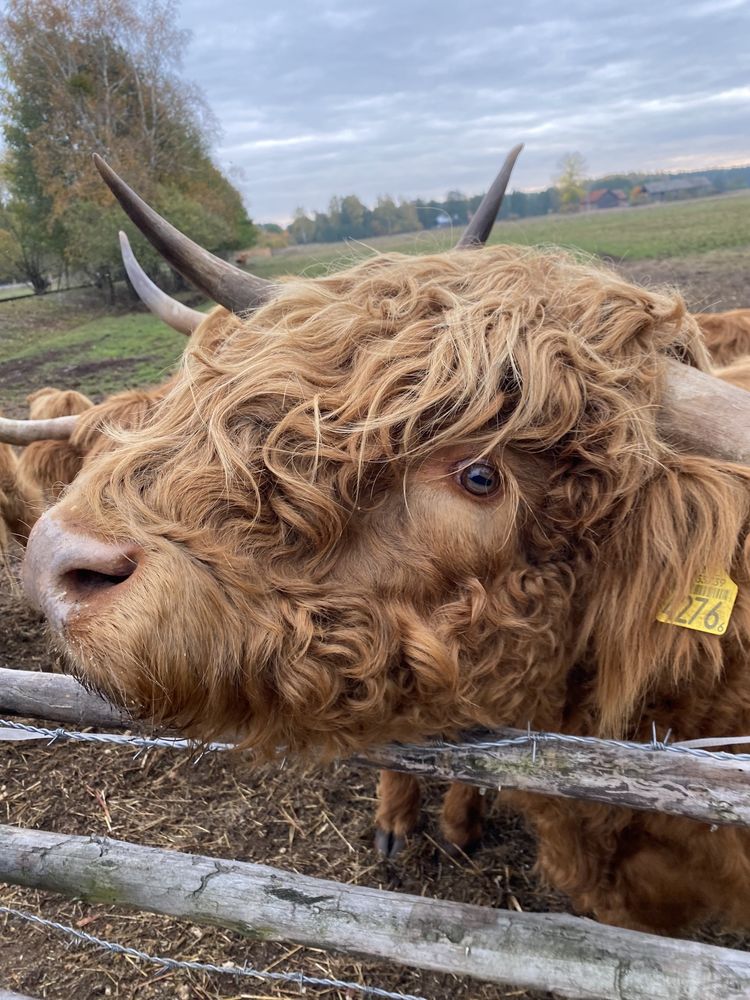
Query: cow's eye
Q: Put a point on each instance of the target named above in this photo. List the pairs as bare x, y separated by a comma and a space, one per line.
480, 479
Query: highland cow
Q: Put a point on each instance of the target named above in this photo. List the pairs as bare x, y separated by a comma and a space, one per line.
8, 517
418, 497
49, 466
18, 506
727, 334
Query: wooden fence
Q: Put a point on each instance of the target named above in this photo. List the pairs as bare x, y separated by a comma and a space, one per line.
571, 956
714, 788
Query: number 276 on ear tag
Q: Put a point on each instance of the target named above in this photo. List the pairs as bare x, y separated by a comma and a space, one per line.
708, 606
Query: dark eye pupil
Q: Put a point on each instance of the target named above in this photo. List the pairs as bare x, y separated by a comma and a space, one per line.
480, 479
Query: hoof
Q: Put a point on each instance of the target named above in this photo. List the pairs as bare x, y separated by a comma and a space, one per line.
388, 844
461, 850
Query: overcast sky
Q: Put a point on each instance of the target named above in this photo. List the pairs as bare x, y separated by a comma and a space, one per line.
414, 97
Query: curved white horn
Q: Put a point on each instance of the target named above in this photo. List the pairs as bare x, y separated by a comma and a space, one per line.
169, 310
26, 431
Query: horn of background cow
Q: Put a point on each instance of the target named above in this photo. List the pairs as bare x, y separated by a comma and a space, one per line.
480, 227
703, 415
229, 286
169, 310
27, 431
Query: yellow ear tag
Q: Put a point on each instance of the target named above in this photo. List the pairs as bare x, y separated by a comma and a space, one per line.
708, 606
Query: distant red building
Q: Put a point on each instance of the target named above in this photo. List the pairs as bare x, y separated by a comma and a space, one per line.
605, 198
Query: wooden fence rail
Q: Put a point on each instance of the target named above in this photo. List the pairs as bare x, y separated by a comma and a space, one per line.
573, 956
702, 788
57, 697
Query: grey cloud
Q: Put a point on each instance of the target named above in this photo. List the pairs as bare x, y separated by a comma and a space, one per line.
415, 98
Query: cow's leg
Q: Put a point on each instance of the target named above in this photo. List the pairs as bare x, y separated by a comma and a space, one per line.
461, 819
398, 811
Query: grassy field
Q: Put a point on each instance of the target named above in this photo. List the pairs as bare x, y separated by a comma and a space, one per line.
15, 292
141, 342
73, 339
677, 229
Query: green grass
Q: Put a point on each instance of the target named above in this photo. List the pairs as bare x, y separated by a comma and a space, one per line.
148, 346
14, 293
677, 229
95, 352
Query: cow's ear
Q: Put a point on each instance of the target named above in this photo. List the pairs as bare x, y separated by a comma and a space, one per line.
684, 521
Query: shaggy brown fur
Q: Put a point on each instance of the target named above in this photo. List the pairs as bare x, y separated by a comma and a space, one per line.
461, 820
8, 465
727, 334
50, 402
18, 506
130, 410
738, 373
399, 795
315, 577
127, 410
47, 467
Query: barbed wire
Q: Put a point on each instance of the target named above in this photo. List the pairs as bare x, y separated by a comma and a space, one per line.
118, 739
532, 739
300, 978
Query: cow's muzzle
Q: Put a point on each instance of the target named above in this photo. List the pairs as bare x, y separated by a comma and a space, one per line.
67, 571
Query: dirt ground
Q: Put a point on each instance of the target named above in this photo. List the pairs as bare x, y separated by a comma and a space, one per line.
709, 282
316, 822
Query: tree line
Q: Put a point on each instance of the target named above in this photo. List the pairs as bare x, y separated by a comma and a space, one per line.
104, 76
349, 218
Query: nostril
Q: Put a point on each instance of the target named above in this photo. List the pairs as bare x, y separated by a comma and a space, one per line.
87, 582
66, 568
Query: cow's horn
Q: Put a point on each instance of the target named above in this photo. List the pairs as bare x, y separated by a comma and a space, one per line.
703, 415
231, 287
169, 310
480, 227
27, 431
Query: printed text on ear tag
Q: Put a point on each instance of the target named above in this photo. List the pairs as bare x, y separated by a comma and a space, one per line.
708, 606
